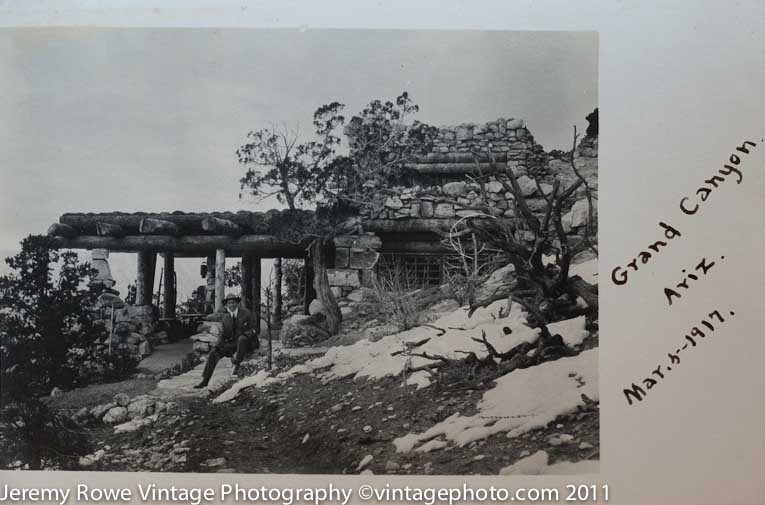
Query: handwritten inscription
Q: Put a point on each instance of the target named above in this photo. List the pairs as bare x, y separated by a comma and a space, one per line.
732, 170
636, 392
620, 275
701, 269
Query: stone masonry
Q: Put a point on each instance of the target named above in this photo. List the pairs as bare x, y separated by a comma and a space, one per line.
448, 181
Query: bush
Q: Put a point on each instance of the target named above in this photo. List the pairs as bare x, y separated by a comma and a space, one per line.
48, 339
395, 293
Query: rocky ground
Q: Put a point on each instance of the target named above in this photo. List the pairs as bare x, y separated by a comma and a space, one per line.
306, 426
349, 411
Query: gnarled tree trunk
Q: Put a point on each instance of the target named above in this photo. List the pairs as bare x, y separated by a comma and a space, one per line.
317, 252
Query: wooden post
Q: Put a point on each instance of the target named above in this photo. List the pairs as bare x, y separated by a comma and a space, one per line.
247, 281
255, 262
309, 293
147, 262
210, 293
220, 278
278, 280
170, 294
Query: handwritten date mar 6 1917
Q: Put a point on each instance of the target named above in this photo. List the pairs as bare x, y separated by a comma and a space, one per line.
694, 337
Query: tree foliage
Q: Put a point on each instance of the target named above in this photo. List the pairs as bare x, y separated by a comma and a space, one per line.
48, 339
294, 172
382, 139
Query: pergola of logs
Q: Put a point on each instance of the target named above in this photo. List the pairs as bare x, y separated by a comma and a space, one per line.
213, 236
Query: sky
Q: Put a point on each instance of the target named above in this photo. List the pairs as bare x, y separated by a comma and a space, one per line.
99, 120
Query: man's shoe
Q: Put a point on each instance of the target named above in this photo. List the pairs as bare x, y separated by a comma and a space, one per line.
237, 370
201, 385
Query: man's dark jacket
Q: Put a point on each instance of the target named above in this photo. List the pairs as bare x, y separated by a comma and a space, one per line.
244, 324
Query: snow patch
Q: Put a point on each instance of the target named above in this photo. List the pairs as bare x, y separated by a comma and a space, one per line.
521, 401
587, 270
572, 330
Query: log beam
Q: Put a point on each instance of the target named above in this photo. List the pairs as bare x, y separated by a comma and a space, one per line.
151, 226
456, 168
168, 309
61, 230
196, 245
109, 230
483, 157
220, 278
218, 226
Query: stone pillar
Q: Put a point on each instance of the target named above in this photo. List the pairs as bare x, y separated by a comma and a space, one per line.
220, 278
144, 284
247, 281
210, 293
99, 260
255, 263
170, 293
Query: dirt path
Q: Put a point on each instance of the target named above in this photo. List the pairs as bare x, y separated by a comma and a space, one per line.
165, 357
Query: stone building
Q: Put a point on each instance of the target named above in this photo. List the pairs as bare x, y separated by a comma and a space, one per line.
405, 224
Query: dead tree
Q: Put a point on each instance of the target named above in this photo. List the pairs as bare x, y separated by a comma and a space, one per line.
547, 291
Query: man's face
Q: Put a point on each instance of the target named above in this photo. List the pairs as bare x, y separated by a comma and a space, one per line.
231, 305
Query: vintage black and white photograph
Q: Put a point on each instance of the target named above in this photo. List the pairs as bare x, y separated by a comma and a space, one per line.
299, 251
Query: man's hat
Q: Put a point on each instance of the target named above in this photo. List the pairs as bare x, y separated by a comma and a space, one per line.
232, 296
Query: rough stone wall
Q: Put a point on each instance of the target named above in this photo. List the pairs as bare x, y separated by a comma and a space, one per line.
444, 184
355, 259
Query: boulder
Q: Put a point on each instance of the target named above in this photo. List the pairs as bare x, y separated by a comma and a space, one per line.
121, 399
140, 408
205, 337
293, 331
316, 306
495, 187
527, 184
455, 188
210, 327
115, 415
99, 410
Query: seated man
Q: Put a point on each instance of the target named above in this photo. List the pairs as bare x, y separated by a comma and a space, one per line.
239, 336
